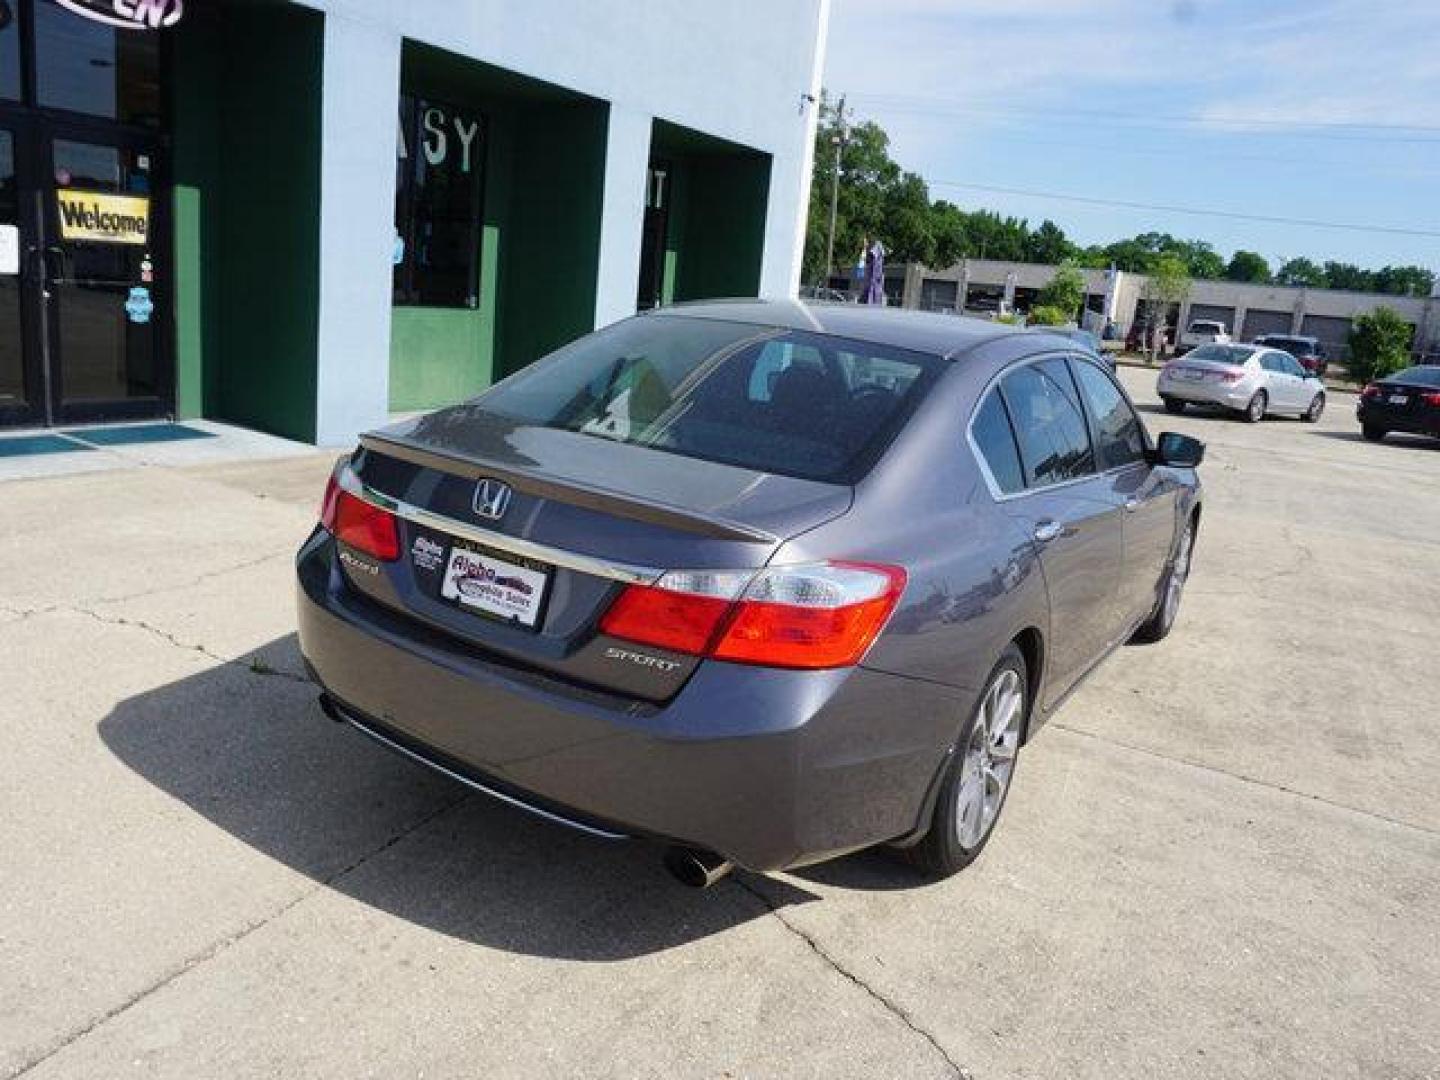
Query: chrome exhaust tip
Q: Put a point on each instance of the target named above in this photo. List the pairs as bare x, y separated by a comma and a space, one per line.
696, 868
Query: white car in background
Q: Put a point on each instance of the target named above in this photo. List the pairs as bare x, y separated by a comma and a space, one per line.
1249, 380
1201, 332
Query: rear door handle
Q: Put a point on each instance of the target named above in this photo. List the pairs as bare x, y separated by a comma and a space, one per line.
1048, 530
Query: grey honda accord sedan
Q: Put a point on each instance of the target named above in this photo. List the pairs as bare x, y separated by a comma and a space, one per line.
762, 581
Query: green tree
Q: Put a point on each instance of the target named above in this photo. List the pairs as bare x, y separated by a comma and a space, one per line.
1379, 344
1404, 281
1049, 244
1167, 284
1248, 266
1064, 293
1340, 275
1301, 271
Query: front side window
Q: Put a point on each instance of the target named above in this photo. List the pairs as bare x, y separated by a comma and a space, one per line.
439, 171
995, 440
1120, 433
763, 398
1049, 424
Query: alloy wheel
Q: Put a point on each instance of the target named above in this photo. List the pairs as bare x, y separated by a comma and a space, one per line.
1179, 571
1316, 408
989, 759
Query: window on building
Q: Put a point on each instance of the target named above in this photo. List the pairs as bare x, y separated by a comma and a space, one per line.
439, 173
9, 50
88, 67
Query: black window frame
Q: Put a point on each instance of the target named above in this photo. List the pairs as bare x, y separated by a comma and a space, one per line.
406, 290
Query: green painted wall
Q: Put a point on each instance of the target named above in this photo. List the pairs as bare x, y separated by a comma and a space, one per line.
247, 196
543, 188
722, 231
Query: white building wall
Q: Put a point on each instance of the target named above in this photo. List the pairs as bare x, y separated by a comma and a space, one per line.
742, 70
357, 227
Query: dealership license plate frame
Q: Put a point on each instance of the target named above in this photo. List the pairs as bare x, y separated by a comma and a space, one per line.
1399, 399
485, 607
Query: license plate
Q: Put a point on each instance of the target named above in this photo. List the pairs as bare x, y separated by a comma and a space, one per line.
1399, 399
505, 590
1190, 374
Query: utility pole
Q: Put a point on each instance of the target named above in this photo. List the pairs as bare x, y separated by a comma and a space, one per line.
839, 139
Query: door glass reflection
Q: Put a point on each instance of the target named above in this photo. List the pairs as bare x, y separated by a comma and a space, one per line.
87, 67
104, 292
12, 376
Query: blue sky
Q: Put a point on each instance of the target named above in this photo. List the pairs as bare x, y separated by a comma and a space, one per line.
1327, 110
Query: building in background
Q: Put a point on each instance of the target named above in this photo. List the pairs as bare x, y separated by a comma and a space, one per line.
303, 217
979, 286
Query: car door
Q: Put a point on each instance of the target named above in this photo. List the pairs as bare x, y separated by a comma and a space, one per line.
1070, 512
1304, 386
1283, 391
1149, 495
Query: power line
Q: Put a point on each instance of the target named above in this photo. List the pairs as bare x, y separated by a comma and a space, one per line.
1391, 230
1332, 131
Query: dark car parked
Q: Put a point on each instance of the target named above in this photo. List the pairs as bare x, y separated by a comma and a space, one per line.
1310, 351
796, 580
1407, 401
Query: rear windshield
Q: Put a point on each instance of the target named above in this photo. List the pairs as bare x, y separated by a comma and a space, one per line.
1221, 354
1294, 346
1206, 328
779, 401
1429, 375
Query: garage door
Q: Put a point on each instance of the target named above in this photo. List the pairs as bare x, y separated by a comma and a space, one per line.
1259, 321
937, 294
1334, 334
1215, 313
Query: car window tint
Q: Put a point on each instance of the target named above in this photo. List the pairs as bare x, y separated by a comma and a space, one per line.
1051, 429
1121, 436
996, 442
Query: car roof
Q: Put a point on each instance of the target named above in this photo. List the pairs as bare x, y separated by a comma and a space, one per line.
923, 331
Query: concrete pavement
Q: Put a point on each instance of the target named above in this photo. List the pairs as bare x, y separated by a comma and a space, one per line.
1222, 859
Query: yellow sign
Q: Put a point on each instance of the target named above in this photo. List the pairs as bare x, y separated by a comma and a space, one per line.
99, 218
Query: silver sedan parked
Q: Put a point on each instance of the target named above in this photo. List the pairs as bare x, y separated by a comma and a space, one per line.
1250, 380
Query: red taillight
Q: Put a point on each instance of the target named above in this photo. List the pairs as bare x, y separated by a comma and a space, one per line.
359, 525
1370, 391
824, 615
1432, 399
680, 621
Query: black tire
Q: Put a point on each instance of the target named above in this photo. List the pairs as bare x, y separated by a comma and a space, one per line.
1254, 410
1161, 620
1174, 405
1317, 408
1373, 433
942, 851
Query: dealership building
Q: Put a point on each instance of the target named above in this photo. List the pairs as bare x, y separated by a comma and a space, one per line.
304, 217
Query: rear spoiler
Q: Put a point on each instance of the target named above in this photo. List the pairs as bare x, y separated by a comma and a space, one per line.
590, 496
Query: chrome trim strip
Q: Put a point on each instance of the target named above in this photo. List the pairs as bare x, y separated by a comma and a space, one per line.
585, 564
520, 804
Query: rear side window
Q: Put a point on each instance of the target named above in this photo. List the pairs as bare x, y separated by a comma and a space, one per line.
1121, 436
1049, 425
996, 442
781, 401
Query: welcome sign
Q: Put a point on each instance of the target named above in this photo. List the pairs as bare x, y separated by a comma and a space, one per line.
99, 218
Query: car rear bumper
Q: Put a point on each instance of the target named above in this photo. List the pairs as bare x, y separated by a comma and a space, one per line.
769, 768
1398, 418
1225, 395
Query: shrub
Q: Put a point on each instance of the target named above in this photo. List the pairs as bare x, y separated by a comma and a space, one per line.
1379, 345
1049, 315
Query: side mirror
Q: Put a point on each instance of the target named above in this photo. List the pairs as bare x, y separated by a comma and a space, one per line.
1178, 451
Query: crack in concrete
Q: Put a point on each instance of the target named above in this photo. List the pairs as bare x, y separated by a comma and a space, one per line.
1255, 781
892, 1007
190, 963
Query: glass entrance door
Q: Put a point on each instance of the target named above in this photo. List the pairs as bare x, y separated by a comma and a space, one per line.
83, 303
103, 269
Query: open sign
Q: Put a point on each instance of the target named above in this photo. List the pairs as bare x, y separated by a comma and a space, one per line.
129, 14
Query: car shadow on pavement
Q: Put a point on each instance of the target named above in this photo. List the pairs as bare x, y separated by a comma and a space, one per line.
1395, 440
245, 746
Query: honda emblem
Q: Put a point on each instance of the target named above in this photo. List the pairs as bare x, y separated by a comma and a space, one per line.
492, 498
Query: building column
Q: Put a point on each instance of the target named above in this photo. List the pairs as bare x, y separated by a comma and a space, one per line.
1297, 314
1239, 328
622, 215
361, 88
962, 287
